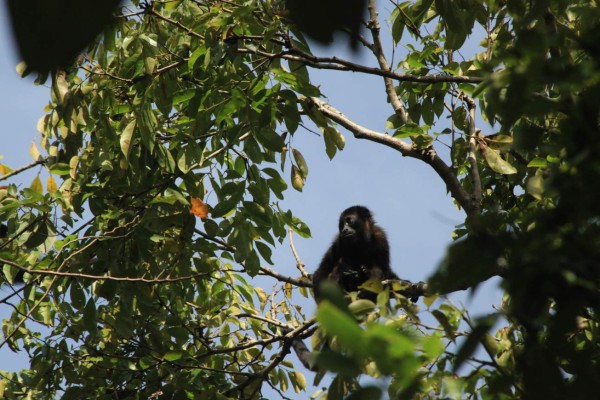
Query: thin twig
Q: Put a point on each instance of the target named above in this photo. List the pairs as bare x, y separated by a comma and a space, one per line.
25, 168
297, 282
390, 89
100, 277
299, 263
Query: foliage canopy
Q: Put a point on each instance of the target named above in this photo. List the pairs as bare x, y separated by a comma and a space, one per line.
165, 144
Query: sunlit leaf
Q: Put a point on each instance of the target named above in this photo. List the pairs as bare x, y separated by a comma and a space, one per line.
499, 142
36, 185
297, 180
34, 152
125, 138
341, 325
496, 162
300, 162
173, 356
51, 185
361, 306
535, 186
538, 162
73, 163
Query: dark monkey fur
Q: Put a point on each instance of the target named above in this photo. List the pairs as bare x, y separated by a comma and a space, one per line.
359, 252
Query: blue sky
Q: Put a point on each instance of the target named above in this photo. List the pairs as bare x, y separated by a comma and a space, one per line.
407, 198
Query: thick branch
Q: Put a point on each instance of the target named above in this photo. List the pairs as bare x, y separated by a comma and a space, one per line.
428, 155
472, 157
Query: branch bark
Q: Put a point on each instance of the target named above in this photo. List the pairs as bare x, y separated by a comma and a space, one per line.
25, 168
429, 155
377, 49
472, 157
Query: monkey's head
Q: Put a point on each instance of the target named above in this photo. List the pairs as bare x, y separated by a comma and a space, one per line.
355, 225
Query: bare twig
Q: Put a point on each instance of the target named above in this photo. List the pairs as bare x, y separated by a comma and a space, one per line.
178, 24
100, 277
25, 168
299, 263
303, 282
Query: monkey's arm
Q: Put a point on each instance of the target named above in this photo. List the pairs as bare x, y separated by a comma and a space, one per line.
324, 271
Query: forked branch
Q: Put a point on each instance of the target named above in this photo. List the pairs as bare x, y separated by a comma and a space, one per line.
428, 155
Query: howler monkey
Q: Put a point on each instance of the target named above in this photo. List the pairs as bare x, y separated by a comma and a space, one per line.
359, 252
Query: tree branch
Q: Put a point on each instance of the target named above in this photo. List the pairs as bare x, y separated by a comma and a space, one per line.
25, 168
377, 49
338, 64
100, 277
299, 264
428, 155
472, 157
303, 282
288, 342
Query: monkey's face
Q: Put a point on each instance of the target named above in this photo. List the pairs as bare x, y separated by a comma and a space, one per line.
351, 227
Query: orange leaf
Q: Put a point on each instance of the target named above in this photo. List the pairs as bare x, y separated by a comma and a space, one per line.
199, 209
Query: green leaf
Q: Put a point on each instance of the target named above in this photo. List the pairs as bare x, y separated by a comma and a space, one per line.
270, 140
173, 356
183, 96
459, 118
339, 324
393, 122
165, 158
433, 346
300, 162
10, 273
77, 296
397, 25
298, 380
538, 162
265, 252
36, 185
230, 196
499, 142
460, 270
297, 180
495, 162
89, 316
146, 362
443, 320
361, 307
535, 186
38, 235
334, 141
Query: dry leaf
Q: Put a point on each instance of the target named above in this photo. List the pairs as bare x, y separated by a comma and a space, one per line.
199, 209
51, 185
